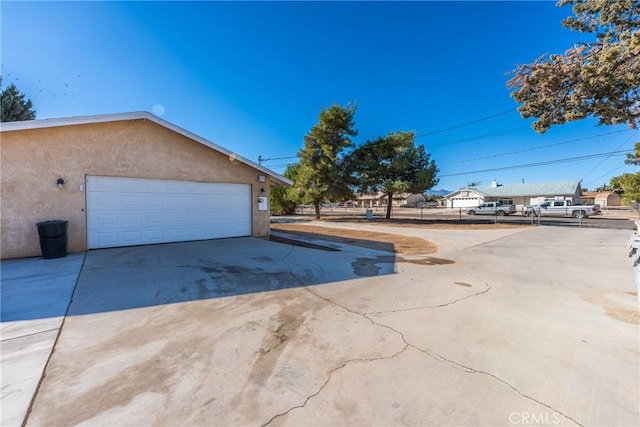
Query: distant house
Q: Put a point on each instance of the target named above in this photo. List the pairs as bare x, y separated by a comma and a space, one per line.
410, 200
523, 194
608, 198
588, 197
602, 198
380, 199
372, 200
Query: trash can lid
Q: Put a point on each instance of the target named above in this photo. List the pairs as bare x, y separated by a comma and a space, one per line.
53, 228
52, 222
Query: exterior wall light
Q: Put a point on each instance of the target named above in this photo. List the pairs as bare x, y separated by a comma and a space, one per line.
262, 201
60, 182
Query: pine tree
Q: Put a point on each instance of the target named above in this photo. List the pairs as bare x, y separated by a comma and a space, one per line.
15, 107
321, 175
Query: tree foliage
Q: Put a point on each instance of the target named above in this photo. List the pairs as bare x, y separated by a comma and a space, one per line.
392, 164
599, 78
628, 185
14, 105
603, 187
321, 173
285, 200
634, 158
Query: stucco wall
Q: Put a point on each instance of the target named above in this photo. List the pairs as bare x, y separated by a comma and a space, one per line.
33, 160
605, 200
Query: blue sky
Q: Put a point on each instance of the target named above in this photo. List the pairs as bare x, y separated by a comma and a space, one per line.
253, 76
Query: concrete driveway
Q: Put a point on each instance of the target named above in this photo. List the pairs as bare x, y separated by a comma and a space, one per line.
517, 328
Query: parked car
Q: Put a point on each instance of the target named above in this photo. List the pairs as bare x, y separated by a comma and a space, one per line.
492, 208
427, 204
348, 204
561, 208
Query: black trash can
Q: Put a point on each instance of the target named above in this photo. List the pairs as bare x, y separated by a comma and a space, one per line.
53, 238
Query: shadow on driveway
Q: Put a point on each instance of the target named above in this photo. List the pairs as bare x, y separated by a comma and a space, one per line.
143, 276
36, 288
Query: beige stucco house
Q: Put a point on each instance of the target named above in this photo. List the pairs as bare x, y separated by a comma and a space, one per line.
602, 198
125, 179
380, 199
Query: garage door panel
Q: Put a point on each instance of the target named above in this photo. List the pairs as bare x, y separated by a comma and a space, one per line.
178, 187
174, 199
107, 237
104, 200
130, 236
151, 201
132, 211
128, 185
107, 219
155, 235
174, 218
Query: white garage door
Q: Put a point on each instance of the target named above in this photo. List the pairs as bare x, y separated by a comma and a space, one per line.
133, 211
465, 202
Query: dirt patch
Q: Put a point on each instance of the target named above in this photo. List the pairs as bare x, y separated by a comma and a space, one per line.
613, 309
476, 223
402, 245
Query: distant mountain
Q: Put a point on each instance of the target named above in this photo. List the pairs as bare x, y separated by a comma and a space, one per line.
437, 192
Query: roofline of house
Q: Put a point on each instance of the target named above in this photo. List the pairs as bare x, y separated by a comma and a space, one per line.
465, 189
138, 115
481, 193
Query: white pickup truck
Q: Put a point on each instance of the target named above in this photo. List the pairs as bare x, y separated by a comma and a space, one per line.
561, 208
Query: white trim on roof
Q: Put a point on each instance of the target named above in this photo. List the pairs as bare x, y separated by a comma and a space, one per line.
466, 190
138, 115
550, 188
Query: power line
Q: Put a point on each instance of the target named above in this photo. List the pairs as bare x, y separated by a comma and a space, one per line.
278, 166
605, 174
605, 159
262, 159
549, 162
466, 124
476, 138
535, 148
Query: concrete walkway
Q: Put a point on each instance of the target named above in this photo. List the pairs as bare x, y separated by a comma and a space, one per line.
35, 295
518, 327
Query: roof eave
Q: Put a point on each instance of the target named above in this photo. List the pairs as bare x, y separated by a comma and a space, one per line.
140, 115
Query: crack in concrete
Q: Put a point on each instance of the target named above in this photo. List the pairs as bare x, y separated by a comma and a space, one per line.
28, 335
345, 363
326, 382
427, 352
488, 288
467, 369
470, 370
